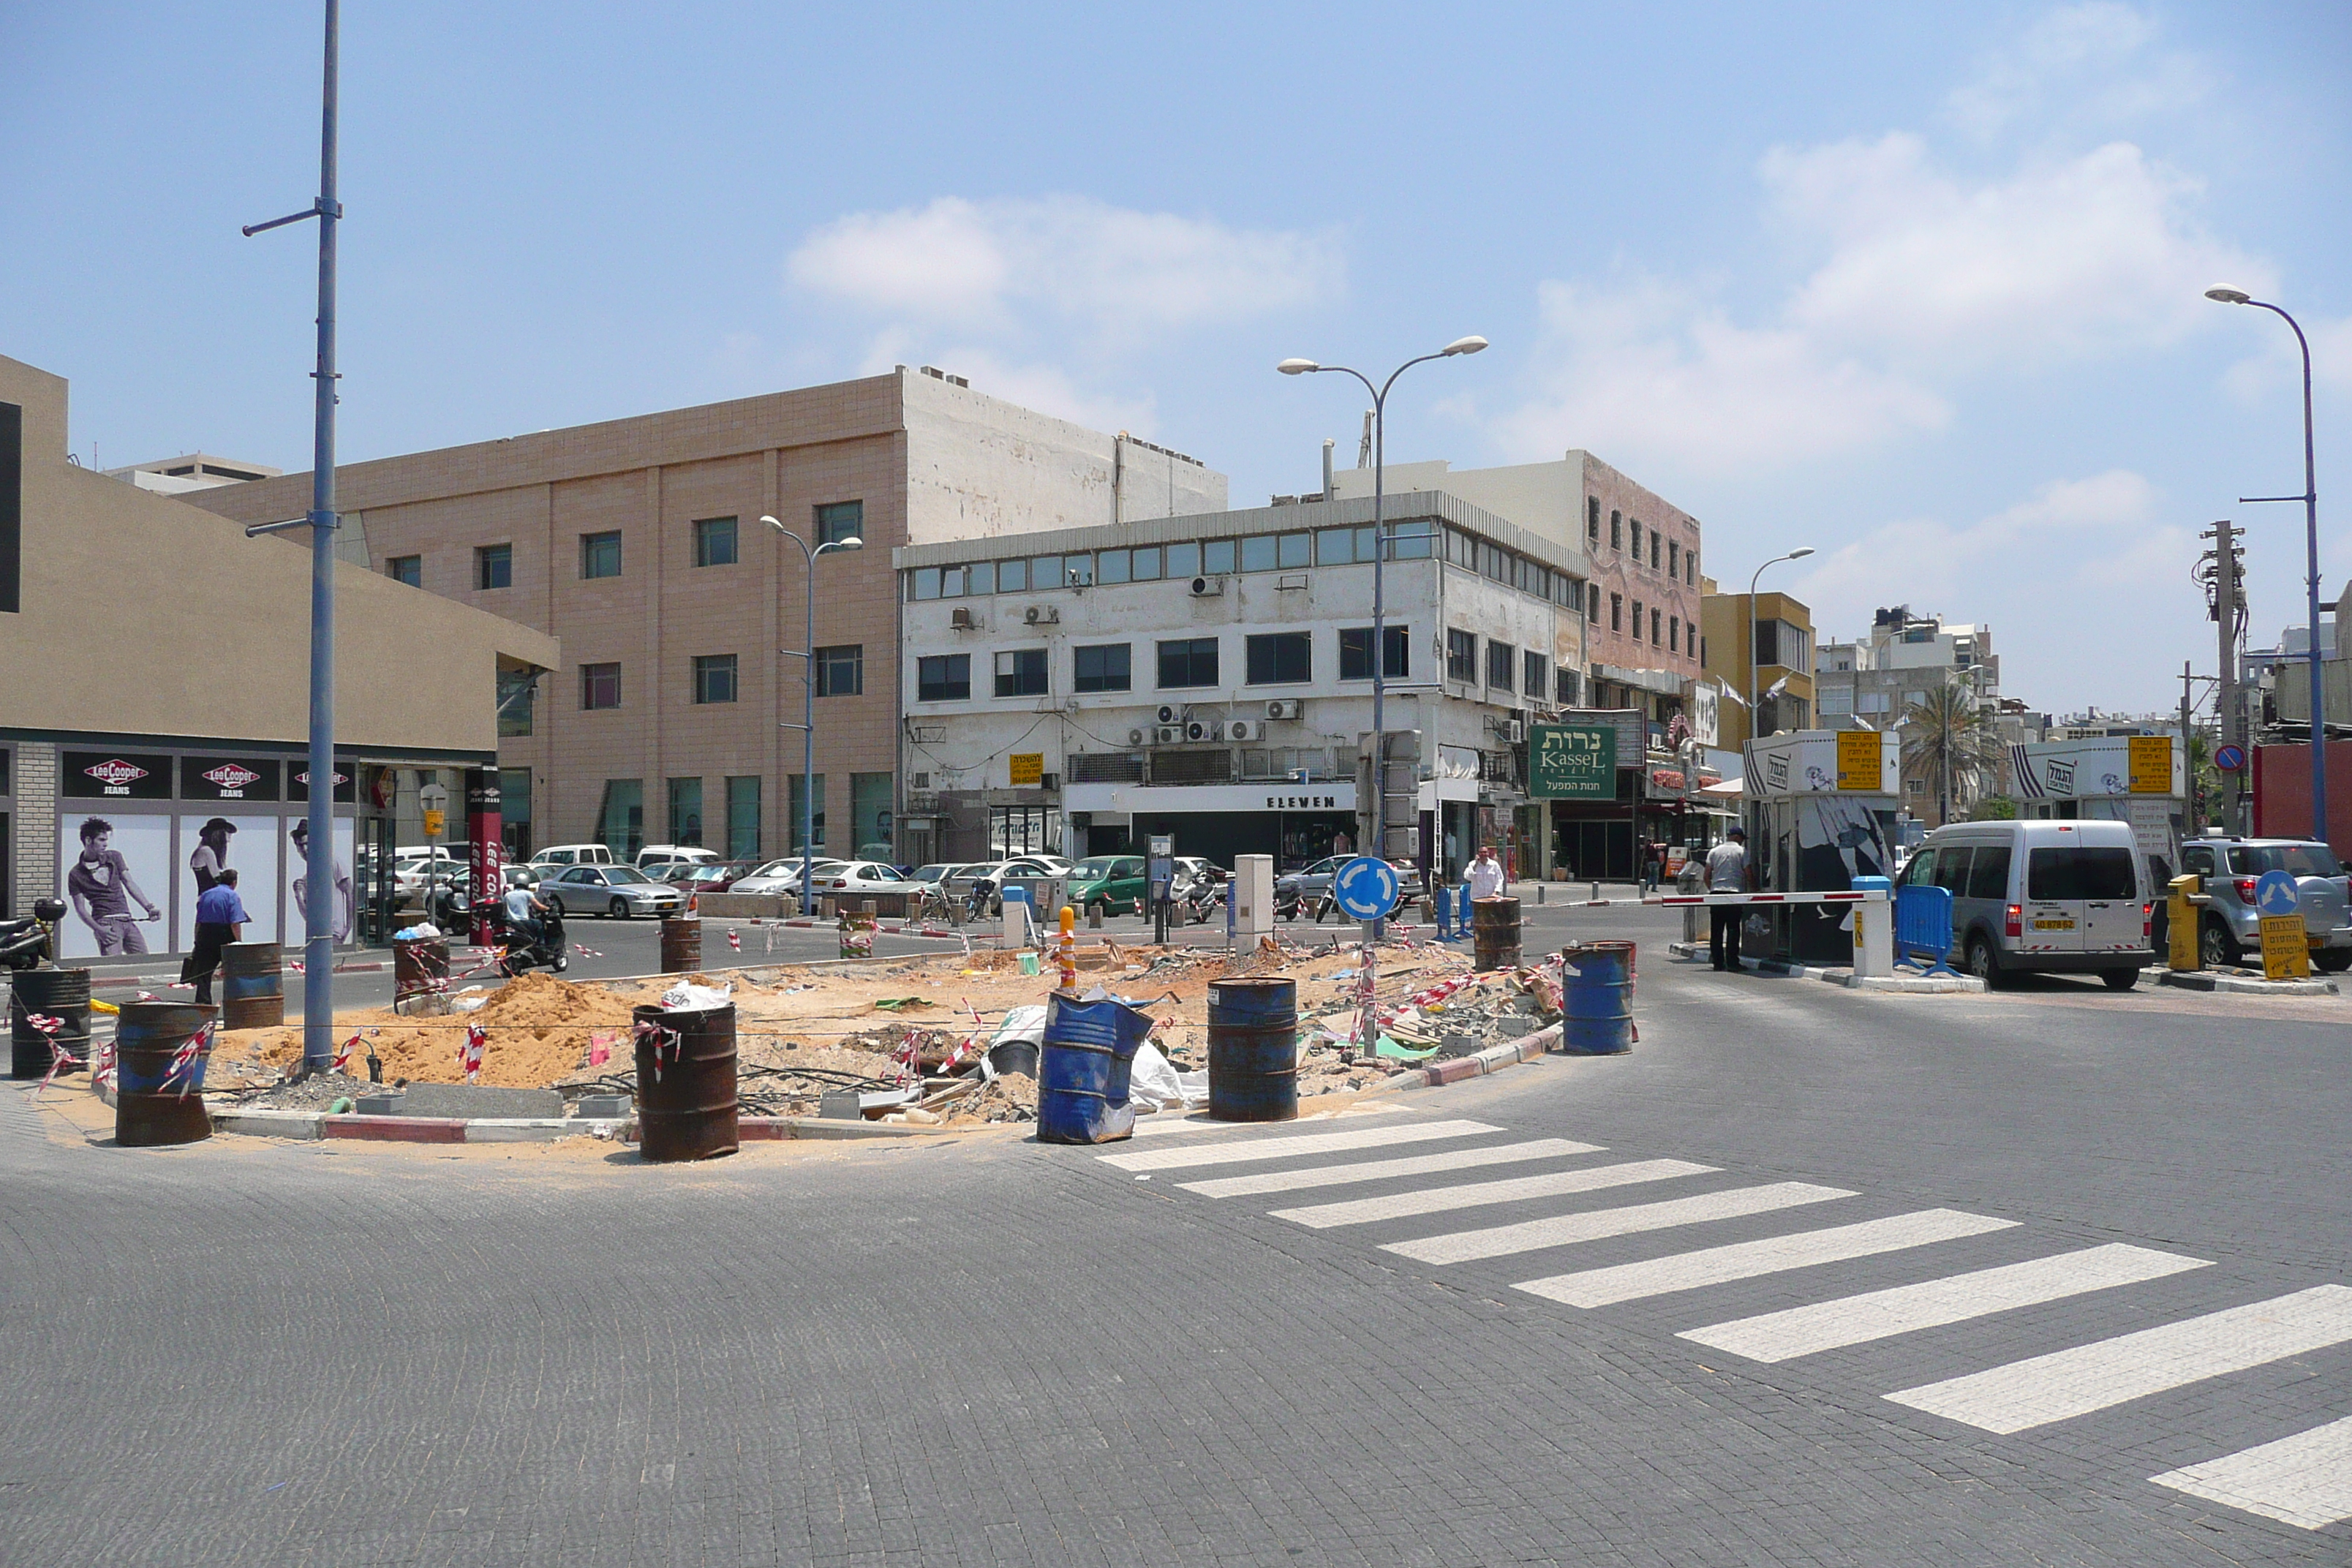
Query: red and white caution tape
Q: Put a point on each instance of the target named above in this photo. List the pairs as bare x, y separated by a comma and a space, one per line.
184, 1059
58, 1055
666, 1043
735, 939
343, 1062
470, 1056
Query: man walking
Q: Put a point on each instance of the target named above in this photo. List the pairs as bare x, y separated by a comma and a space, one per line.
220, 919
1727, 872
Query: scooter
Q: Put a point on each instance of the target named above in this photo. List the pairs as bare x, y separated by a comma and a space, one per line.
548, 951
1200, 900
23, 944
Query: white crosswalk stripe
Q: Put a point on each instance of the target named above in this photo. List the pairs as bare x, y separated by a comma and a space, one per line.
1475, 1194
1229, 1154
1383, 1170
2069, 1382
1932, 1303
1561, 1230
1160, 1125
2306, 1480
1747, 1259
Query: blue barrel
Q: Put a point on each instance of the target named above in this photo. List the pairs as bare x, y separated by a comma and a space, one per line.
253, 988
1254, 1050
1597, 998
1082, 1070
160, 1099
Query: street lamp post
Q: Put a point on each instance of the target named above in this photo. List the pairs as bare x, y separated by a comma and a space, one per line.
1469, 345
2310, 500
807, 725
1797, 554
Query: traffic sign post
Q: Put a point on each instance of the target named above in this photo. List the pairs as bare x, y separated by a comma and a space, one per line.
2286, 944
2230, 759
1366, 888
432, 804
1160, 879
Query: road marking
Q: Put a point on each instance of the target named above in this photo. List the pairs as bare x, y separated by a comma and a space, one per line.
1747, 1259
1474, 1194
1381, 1170
2306, 1480
1283, 1148
1499, 1241
1931, 1303
1161, 1123
2066, 1384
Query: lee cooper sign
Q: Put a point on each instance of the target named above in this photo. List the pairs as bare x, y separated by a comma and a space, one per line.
228, 778
1572, 762
114, 775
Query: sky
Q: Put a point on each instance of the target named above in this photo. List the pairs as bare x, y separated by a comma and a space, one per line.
1918, 286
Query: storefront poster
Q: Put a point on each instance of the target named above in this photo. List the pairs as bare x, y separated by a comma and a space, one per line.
297, 864
1572, 762
117, 884
248, 844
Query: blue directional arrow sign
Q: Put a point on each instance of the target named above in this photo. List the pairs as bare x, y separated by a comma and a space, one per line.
1366, 888
2276, 894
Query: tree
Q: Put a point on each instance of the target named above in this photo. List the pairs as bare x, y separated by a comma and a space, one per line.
1948, 738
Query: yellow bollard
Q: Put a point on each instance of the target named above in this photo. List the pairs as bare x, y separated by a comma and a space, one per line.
2181, 915
1066, 952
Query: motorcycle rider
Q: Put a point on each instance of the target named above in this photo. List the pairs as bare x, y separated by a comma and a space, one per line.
523, 926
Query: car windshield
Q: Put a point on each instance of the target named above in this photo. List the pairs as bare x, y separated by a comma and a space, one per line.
2295, 860
625, 874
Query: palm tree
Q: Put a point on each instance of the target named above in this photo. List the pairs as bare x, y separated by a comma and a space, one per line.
1945, 733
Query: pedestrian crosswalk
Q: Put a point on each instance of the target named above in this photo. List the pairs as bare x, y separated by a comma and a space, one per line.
1443, 1171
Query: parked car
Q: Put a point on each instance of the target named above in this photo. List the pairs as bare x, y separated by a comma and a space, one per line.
1309, 884
409, 872
515, 876
935, 876
861, 877
654, 857
781, 876
1111, 883
2229, 926
692, 877
572, 854
618, 892
2058, 898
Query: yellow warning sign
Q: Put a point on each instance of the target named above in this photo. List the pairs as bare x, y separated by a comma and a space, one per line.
1028, 769
435, 822
2287, 948
2151, 764
1859, 755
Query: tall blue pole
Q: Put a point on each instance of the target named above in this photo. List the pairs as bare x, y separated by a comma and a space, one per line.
319, 876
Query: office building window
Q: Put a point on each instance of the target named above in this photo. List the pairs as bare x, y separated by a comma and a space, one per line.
516, 689
1673, 559
1461, 655
1655, 625
408, 568
1280, 658
1021, 672
840, 520
943, 678
1634, 530
1593, 601
1653, 550
743, 817
1592, 521
686, 811
1674, 634
1616, 530
1637, 620
714, 541
1616, 611
1538, 675
841, 671
1690, 567
600, 686
1190, 662
870, 823
494, 566
1103, 668
1356, 653
600, 555
1185, 560
1564, 687
621, 819
714, 677
1500, 655
808, 809
1114, 566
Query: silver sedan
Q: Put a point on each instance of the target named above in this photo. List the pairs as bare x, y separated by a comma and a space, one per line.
619, 891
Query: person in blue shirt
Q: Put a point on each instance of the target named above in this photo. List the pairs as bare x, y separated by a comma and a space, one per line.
220, 919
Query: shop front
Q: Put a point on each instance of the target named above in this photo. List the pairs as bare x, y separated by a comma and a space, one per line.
1296, 823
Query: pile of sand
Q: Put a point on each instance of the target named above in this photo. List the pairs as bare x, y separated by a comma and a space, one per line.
537, 1028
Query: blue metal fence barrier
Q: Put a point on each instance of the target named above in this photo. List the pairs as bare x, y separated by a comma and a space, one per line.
1923, 927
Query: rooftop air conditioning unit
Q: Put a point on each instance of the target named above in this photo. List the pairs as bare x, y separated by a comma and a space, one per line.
1042, 615
961, 619
1283, 708
1244, 730
1202, 729
1135, 737
1207, 587
1171, 735
1171, 714
1514, 731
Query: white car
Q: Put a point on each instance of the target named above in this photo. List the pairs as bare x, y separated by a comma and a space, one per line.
560, 855
653, 858
782, 876
408, 872
992, 872
862, 877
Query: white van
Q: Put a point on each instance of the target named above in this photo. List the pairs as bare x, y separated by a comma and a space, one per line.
2055, 898
654, 857
573, 855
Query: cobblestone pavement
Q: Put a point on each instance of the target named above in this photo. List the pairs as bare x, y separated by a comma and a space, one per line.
988, 1350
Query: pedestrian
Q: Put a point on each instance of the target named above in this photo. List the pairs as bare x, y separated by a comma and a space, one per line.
1485, 875
1727, 872
101, 889
1657, 864
220, 919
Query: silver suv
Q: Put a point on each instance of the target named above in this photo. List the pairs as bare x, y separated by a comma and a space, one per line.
2230, 926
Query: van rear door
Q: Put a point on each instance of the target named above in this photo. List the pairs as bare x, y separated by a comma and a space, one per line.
2053, 918
2112, 918
2082, 897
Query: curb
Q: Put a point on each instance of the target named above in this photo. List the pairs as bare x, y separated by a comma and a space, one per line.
1494, 1058
168, 977
1916, 984
313, 1126
2244, 985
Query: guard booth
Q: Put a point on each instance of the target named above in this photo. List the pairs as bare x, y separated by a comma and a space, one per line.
1820, 810
2139, 779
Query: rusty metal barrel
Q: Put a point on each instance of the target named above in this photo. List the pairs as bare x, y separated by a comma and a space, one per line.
1596, 988
1084, 1068
51, 994
1495, 932
253, 986
1254, 1050
420, 968
681, 945
685, 1083
160, 1088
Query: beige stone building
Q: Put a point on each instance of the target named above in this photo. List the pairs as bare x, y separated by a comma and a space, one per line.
637, 542
155, 681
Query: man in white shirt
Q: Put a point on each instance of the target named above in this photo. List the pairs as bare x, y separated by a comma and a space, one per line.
1485, 877
1727, 872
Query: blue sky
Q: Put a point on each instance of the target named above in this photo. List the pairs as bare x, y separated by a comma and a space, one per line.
1916, 286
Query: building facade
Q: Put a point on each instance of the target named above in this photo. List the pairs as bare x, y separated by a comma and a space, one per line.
1877, 679
638, 542
1760, 650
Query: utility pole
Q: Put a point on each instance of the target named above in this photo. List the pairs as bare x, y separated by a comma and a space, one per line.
2187, 768
2228, 600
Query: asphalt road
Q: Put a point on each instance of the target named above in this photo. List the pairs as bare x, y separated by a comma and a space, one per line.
990, 1351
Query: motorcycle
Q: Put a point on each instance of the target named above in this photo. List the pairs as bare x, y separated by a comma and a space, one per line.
1201, 900
547, 951
23, 944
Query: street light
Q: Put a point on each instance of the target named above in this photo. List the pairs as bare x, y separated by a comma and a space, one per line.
1469, 345
2310, 500
1797, 554
808, 707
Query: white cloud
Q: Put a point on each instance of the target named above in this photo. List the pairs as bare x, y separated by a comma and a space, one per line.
2087, 64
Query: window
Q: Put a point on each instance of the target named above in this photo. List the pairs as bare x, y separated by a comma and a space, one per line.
1185, 560
1045, 572
923, 582
1593, 601
1356, 653
1295, 549
1501, 657
714, 541
1674, 634
954, 580
840, 520
806, 808
841, 670
600, 686
1257, 552
943, 678
1218, 555
1193, 662
1653, 550
743, 817
1411, 541
869, 816
1874, 702
1634, 529
1673, 559
2081, 873
686, 811
1336, 546
1637, 620
408, 568
1537, 676
1616, 530
714, 677
494, 566
1617, 612
1012, 576
1564, 684
1989, 876
621, 819
2295, 860
1654, 618
1592, 521
1077, 570
1146, 563
1021, 672
1113, 565
1461, 655
1836, 700
600, 555
980, 577
1952, 869
1281, 657
1102, 669
1690, 567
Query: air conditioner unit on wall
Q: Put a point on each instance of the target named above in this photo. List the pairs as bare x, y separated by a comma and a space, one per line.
1283, 708
1514, 731
1171, 714
1244, 730
1207, 587
1171, 735
1043, 615
1135, 737
961, 619
1202, 729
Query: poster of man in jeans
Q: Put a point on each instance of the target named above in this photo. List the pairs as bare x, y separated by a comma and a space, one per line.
110, 865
